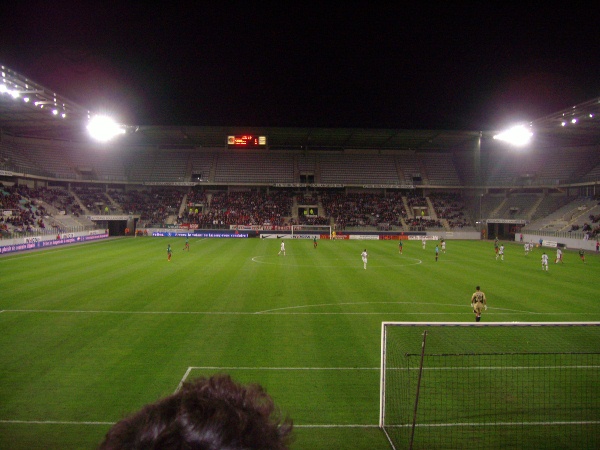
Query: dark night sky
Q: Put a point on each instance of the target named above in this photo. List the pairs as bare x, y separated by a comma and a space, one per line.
463, 66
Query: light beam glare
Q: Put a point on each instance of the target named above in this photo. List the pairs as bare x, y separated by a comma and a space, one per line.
104, 128
518, 135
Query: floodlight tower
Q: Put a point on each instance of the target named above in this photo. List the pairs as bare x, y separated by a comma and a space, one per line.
518, 136
104, 128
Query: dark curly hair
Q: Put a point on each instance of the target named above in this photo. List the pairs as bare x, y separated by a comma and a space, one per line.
206, 414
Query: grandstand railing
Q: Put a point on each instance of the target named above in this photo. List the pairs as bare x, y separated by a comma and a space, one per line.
558, 234
13, 234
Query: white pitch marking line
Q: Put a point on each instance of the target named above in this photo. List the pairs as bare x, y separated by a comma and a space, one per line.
189, 369
187, 372
424, 425
501, 424
390, 368
358, 303
68, 422
283, 312
55, 422
281, 368
354, 265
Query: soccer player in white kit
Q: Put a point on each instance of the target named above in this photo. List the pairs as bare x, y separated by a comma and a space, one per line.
364, 256
282, 249
544, 261
558, 256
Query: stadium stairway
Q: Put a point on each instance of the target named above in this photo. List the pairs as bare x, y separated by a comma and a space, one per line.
407, 208
582, 217
405, 226
534, 208
432, 212
183, 205
294, 215
502, 204
114, 206
78, 200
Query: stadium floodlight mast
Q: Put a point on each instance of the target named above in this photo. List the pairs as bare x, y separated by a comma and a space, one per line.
104, 128
519, 135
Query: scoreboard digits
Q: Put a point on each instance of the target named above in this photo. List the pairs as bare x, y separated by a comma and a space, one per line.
246, 141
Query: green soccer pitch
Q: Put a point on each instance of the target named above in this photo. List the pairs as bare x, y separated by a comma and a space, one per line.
92, 332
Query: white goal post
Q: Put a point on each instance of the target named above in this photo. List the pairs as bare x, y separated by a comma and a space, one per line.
298, 230
490, 385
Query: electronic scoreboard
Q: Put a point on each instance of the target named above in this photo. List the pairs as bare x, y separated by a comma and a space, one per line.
246, 141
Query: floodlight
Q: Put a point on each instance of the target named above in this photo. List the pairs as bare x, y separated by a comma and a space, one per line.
12, 92
103, 128
518, 135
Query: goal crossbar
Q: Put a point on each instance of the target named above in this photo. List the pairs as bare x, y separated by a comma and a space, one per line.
512, 382
311, 230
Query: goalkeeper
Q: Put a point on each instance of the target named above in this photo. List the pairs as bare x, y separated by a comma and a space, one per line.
478, 302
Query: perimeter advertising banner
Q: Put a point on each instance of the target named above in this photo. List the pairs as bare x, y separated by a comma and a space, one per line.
197, 234
34, 243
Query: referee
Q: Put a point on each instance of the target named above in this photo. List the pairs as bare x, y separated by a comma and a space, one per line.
478, 302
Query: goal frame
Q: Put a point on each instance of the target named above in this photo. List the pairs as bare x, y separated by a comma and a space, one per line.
296, 228
384, 328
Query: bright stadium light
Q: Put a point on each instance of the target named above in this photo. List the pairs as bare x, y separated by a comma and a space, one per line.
103, 128
518, 135
12, 92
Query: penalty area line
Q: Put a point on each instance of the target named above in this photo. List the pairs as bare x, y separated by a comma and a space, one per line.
54, 422
185, 375
422, 425
100, 423
286, 311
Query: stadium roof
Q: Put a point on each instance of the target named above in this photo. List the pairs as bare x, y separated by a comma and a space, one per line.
41, 113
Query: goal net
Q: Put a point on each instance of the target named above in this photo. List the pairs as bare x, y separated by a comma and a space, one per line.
490, 385
310, 231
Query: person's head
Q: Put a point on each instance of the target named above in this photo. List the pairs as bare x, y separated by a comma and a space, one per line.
205, 414
477, 288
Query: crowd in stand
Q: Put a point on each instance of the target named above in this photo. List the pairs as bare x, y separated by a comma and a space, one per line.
363, 209
239, 208
450, 206
590, 231
594, 231
222, 209
423, 221
94, 199
61, 199
25, 215
154, 207
309, 200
